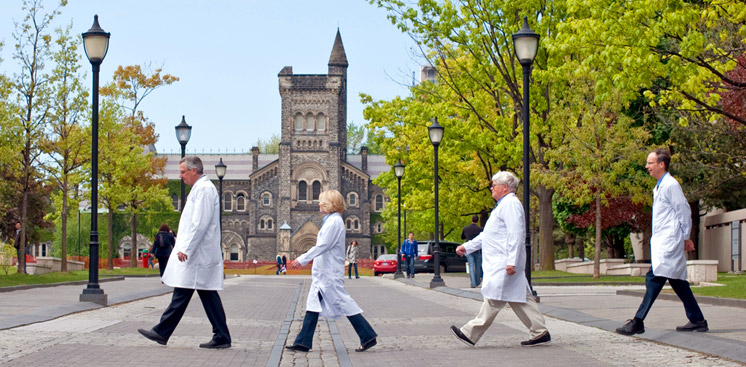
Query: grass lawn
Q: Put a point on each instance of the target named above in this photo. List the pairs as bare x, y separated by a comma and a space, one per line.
271, 269
556, 276
735, 287
13, 278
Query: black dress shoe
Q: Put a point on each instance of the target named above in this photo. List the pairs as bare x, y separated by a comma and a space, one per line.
212, 344
297, 348
152, 335
367, 345
632, 327
457, 332
541, 339
694, 326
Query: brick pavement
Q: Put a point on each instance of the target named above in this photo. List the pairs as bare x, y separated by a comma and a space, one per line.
265, 312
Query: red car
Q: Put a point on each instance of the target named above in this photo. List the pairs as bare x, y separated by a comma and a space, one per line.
385, 263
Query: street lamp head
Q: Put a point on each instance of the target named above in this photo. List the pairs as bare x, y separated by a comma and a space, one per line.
399, 169
96, 42
183, 131
436, 132
526, 43
220, 169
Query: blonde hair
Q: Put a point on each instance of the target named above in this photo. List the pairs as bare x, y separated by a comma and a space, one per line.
332, 201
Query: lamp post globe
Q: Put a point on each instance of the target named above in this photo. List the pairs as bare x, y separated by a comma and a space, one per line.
399, 172
435, 131
220, 169
96, 45
526, 44
183, 133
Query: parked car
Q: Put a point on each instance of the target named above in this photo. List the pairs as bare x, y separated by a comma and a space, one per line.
385, 263
449, 260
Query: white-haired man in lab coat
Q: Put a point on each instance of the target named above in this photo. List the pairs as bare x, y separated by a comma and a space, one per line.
669, 243
503, 262
200, 260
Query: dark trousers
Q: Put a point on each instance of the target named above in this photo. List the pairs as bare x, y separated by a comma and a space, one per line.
305, 338
162, 262
653, 286
349, 270
179, 302
409, 264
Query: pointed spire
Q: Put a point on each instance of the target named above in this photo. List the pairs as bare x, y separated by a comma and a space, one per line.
338, 57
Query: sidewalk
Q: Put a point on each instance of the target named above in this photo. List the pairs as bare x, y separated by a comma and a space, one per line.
264, 314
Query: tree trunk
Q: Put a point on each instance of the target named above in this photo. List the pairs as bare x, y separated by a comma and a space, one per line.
570, 242
581, 247
63, 242
110, 237
694, 234
597, 255
546, 226
133, 230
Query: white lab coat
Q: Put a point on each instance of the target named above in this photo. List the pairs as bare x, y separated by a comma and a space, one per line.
327, 273
199, 239
672, 223
503, 243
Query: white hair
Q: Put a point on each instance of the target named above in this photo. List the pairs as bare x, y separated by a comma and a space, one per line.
506, 178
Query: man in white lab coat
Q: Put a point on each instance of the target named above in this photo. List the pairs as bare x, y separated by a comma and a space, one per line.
503, 263
200, 261
669, 242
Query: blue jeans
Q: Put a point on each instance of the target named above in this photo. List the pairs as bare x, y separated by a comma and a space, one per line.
653, 286
409, 263
349, 270
475, 267
305, 337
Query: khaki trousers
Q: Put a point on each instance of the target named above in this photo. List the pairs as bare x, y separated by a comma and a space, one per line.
528, 313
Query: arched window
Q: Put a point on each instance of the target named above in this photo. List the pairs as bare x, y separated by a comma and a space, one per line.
302, 190
269, 224
316, 189
266, 199
261, 224
175, 201
348, 224
241, 202
356, 225
352, 199
379, 203
320, 122
310, 122
266, 223
234, 253
298, 122
227, 201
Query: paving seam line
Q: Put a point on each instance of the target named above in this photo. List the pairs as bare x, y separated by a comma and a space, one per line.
276, 355
339, 345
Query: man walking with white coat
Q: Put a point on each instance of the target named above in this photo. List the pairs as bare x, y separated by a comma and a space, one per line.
200, 261
669, 242
503, 261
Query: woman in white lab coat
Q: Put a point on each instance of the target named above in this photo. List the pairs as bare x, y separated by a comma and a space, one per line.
327, 296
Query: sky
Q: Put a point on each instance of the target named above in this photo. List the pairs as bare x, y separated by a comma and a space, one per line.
227, 55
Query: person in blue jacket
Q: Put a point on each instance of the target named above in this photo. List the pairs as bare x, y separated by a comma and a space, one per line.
409, 251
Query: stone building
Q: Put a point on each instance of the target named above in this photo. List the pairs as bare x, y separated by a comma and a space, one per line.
270, 201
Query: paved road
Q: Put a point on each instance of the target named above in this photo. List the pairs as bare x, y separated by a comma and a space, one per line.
264, 313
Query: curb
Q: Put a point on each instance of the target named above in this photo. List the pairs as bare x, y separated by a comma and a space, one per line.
48, 285
731, 302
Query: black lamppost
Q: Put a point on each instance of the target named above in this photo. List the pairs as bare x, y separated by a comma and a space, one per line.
220, 171
435, 131
183, 133
96, 44
399, 171
526, 43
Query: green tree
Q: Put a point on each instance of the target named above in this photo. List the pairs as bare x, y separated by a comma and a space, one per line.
67, 143
31, 94
355, 137
269, 146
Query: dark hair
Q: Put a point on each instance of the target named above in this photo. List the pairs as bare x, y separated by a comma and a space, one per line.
662, 155
353, 241
164, 228
474, 218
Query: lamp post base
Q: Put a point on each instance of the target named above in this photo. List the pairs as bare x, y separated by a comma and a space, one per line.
437, 283
398, 275
95, 296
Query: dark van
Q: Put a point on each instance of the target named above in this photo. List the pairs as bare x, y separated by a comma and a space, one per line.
449, 260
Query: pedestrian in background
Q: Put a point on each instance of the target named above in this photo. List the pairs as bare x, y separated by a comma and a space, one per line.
669, 243
474, 258
200, 260
162, 245
327, 296
409, 251
504, 257
352, 259
278, 261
